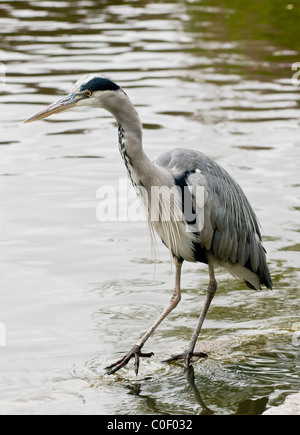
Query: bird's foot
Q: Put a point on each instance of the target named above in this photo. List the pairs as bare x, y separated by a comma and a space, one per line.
186, 356
134, 353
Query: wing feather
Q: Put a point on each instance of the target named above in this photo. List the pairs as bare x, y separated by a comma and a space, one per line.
230, 230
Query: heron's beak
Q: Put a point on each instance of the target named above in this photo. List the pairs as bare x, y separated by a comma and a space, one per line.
65, 103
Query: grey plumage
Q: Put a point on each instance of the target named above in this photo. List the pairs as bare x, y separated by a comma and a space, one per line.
231, 232
220, 230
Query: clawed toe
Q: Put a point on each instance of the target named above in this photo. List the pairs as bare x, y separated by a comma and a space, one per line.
134, 353
186, 356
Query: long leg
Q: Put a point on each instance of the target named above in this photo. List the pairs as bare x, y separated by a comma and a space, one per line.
136, 350
189, 353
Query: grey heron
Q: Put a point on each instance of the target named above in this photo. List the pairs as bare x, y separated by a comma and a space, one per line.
228, 234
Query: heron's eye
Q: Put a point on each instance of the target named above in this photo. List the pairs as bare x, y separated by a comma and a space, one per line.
88, 93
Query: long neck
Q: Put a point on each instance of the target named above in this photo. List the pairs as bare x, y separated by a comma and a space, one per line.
139, 167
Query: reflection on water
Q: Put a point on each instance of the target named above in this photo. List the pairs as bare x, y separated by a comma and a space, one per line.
75, 292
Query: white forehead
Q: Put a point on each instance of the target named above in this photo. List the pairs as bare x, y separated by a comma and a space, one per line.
85, 79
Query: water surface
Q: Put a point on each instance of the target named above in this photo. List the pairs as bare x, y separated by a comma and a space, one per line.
77, 293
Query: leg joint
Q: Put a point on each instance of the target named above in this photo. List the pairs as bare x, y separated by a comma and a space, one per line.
212, 288
176, 298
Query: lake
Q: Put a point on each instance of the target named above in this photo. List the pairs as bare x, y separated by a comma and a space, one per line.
77, 292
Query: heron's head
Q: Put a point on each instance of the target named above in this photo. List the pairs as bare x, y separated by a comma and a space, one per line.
91, 90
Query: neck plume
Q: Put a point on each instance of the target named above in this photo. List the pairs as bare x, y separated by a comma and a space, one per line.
145, 175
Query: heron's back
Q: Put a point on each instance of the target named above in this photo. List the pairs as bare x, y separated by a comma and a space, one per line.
230, 234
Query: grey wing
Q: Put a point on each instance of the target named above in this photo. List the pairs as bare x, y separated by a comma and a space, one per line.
228, 228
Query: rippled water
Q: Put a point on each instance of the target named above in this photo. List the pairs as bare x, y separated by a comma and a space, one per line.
76, 293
